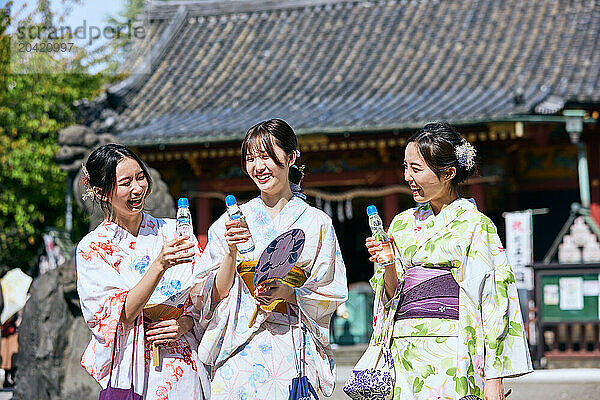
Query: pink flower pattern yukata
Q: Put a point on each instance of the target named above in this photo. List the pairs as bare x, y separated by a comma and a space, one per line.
110, 262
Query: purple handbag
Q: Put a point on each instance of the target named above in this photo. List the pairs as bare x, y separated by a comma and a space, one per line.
111, 393
373, 377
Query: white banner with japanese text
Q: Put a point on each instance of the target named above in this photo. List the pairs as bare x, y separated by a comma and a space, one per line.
519, 248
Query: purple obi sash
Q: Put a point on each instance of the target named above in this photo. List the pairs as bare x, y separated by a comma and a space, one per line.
428, 292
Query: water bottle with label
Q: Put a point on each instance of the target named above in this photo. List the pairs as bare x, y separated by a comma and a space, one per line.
386, 256
184, 218
235, 213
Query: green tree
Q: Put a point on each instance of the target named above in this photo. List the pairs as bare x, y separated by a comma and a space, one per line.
33, 108
119, 46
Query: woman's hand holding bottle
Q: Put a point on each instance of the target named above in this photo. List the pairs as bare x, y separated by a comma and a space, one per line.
383, 248
374, 247
235, 234
174, 253
237, 231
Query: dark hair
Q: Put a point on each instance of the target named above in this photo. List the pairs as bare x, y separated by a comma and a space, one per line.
101, 167
262, 135
437, 142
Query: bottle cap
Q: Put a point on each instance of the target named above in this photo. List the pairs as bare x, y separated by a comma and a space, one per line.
183, 202
230, 200
371, 210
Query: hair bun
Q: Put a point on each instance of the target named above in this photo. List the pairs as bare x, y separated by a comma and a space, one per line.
296, 174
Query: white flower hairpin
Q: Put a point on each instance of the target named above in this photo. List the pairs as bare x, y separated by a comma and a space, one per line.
465, 154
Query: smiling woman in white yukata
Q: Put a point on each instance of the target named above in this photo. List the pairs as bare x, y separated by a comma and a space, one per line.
458, 327
258, 362
119, 265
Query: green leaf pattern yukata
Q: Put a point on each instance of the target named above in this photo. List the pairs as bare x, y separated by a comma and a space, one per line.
438, 358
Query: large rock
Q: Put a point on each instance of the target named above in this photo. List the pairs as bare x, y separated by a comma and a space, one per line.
73, 135
52, 337
77, 142
159, 203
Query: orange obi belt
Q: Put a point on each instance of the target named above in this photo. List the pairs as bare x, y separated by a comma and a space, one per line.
295, 278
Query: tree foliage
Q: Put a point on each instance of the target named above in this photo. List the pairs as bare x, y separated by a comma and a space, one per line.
119, 46
33, 109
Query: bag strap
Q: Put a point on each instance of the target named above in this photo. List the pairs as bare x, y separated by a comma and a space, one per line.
112, 358
134, 350
303, 351
296, 361
385, 322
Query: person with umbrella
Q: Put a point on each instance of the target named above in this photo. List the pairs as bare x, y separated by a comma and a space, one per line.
14, 289
257, 358
120, 264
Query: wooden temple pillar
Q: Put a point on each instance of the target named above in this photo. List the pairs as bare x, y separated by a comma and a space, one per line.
593, 151
203, 219
477, 191
390, 208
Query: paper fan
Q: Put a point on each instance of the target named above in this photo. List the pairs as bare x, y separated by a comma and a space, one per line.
278, 259
276, 262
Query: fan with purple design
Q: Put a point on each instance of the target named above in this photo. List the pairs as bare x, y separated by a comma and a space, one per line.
276, 262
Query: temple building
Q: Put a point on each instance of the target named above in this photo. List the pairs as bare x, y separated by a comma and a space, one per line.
355, 79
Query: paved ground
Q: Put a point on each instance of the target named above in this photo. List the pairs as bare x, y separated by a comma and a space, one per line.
553, 384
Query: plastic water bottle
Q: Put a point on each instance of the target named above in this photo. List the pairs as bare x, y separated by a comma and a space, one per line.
235, 213
386, 256
184, 218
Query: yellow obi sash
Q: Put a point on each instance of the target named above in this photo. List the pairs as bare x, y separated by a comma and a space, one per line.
295, 278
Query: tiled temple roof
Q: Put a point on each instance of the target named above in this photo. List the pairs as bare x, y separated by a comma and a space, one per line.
334, 66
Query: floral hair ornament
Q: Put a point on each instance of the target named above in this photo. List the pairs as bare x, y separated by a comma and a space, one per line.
85, 177
301, 169
465, 155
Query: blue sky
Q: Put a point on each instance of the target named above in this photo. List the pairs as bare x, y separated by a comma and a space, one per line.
93, 11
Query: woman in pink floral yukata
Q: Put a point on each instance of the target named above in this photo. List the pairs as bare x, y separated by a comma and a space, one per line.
119, 266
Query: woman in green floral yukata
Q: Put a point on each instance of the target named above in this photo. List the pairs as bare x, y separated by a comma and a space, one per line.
457, 328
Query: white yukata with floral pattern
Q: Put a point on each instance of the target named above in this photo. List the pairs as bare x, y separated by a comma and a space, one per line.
105, 258
439, 358
257, 363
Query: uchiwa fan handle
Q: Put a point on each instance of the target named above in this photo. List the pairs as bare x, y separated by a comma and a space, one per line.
155, 355
253, 317
155, 352
268, 307
160, 312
